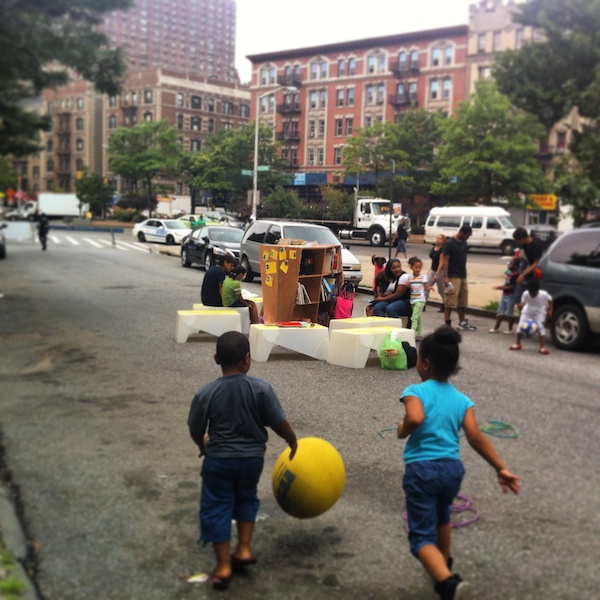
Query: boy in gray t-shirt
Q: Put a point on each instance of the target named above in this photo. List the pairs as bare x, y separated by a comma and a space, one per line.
236, 409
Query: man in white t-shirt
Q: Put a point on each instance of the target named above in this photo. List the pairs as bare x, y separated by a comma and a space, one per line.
535, 305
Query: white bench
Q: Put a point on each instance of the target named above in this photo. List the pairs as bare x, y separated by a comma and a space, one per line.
215, 322
356, 322
351, 347
312, 340
243, 310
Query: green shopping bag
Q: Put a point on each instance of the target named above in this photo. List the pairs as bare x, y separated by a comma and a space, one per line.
392, 354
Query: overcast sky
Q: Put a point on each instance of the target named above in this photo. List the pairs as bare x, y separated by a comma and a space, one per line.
271, 25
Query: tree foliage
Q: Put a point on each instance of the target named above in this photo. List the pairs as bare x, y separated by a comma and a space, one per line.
555, 75
488, 151
338, 204
41, 43
285, 204
146, 156
217, 168
8, 177
92, 189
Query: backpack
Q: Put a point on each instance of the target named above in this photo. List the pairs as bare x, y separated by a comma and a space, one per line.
344, 302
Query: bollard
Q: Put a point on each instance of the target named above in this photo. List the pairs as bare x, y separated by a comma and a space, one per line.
112, 233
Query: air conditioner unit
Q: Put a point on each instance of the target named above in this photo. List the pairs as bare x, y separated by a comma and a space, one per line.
321, 134
320, 162
311, 134
311, 162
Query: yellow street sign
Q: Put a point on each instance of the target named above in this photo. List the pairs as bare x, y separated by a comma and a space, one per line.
544, 201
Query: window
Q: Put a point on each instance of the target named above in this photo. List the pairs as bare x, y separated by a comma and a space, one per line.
294, 156
320, 156
79, 145
349, 125
323, 98
497, 41
339, 101
371, 64
401, 92
493, 223
448, 55
342, 67
579, 249
321, 128
211, 126
195, 102
324, 69
179, 100
272, 75
311, 128
211, 105
50, 165
412, 92
271, 100
485, 72
337, 156
147, 96
112, 122
79, 123
274, 234
414, 59
370, 95
446, 88
179, 121
350, 97
244, 111
476, 222
339, 127
263, 76
380, 93
351, 66
481, 43
78, 164
195, 145
402, 61
368, 121
196, 123
436, 57
313, 99
36, 172
227, 107
147, 116
79, 103
381, 63
263, 104
434, 89
519, 39
50, 145
561, 141
311, 156
297, 72
314, 70
453, 222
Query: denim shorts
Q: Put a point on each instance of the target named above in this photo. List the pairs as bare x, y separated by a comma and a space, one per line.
430, 487
228, 492
401, 246
507, 306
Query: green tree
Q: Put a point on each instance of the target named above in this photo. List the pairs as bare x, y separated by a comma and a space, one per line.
35, 34
217, 169
559, 73
338, 205
8, 177
285, 204
488, 151
146, 157
93, 190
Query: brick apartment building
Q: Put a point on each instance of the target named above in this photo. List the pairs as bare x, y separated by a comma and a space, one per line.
314, 98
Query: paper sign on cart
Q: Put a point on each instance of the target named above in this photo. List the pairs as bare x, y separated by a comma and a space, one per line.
284, 266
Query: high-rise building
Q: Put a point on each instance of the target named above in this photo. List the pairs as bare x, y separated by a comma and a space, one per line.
195, 37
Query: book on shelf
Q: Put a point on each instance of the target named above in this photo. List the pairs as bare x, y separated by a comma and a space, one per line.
302, 296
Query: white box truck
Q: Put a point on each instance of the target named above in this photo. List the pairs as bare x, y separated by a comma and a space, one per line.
54, 206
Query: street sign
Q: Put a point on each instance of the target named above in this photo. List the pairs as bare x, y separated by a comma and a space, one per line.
545, 201
247, 172
263, 168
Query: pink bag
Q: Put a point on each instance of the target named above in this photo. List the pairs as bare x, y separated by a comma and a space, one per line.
344, 302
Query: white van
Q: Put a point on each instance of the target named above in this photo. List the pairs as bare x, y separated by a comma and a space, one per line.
492, 226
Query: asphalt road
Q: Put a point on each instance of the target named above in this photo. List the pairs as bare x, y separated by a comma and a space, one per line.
94, 395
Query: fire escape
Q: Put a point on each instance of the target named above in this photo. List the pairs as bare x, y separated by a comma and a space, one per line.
63, 149
405, 69
290, 111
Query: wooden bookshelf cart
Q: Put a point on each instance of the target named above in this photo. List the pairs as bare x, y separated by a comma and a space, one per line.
284, 266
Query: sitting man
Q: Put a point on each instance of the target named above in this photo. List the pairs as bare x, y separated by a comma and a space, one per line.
212, 284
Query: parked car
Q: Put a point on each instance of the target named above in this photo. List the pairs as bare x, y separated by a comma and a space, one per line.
546, 234
168, 231
203, 244
271, 231
571, 275
2, 241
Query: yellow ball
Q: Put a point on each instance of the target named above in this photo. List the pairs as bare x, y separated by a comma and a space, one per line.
312, 482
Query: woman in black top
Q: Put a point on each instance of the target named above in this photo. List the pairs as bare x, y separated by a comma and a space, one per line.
436, 273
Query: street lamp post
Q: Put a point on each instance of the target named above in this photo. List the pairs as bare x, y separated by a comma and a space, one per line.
256, 132
391, 205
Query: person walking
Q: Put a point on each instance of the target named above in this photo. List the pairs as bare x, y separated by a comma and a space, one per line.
435, 413
43, 227
455, 278
399, 239
436, 272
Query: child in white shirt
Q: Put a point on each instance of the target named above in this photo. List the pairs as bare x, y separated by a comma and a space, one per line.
418, 286
535, 305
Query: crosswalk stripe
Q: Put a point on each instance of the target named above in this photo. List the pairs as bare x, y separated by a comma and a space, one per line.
92, 242
109, 243
53, 238
73, 241
138, 247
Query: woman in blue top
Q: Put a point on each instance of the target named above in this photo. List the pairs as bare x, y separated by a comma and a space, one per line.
435, 412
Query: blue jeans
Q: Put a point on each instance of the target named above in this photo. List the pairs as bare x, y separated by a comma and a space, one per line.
430, 487
397, 308
228, 492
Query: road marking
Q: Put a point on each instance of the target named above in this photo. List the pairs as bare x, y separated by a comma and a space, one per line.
92, 242
53, 238
138, 247
108, 243
73, 241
